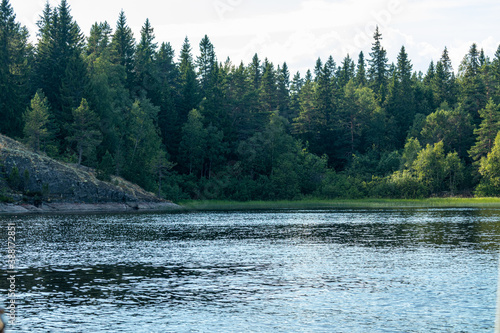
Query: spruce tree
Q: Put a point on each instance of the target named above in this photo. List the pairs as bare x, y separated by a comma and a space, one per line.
473, 88
487, 131
188, 80
361, 70
145, 69
378, 70
36, 120
14, 71
123, 49
85, 133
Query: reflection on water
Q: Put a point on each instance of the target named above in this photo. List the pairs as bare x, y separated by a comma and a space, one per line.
378, 270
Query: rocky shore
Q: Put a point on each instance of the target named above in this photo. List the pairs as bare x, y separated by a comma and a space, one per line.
34, 183
55, 208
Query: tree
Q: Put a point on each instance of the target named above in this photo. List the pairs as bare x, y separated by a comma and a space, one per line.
85, 130
400, 102
377, 72
143, 144
36, 119
145, 69
59, 67
188, 81
206, 64
490, 170
443, 82
473, 88
14, 70
123, 49
451, 127
193, 144
487, 131
361, 70
358, 104
439, 172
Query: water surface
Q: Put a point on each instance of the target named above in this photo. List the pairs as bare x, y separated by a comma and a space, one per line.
344, 270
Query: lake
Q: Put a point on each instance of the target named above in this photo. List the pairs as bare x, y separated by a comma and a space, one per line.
342, 270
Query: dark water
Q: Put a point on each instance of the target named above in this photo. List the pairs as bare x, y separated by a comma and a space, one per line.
416, 270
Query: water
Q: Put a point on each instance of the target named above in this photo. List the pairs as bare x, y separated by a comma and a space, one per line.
414, 270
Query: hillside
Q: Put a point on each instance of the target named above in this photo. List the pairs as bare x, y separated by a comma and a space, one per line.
35, 182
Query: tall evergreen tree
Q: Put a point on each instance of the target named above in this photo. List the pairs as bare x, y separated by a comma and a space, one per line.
487, 131
59, 64
85, 131
188, 81
283, 93
443, 82
145, 68
123, 49
268, 88
36, 120
473, 88
206, 63
378, 70
400, 102
168, 81
361, 70
14, 71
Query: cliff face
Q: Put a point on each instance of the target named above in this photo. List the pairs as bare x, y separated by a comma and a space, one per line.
27, 176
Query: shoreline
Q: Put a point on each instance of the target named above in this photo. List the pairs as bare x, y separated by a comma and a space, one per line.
342, 203
84, 208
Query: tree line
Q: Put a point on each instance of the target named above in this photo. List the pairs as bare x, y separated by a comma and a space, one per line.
197, 127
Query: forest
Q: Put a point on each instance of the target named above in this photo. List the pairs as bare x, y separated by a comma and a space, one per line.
190, 127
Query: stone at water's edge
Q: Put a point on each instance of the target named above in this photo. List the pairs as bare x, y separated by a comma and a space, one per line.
88, 208
63, 183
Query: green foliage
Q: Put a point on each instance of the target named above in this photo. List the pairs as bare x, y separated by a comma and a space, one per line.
200, 128
14, 179
490, 170
106, 167
85, 131
15, 71
487, 131
36, 120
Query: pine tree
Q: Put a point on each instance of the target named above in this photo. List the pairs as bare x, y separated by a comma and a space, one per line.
378, 70
188, 81
168, 81
206, 64
85, 131
145, 69
193, 144
36, 120
268, 88
123, 49
473, 88
283, 93
59, 64
14, 71
487, 131
400, 102
346, 72
443, 82
361, 70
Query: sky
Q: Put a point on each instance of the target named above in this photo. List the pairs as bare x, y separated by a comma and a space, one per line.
298, 32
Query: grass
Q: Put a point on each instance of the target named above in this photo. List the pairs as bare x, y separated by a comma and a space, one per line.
355, 203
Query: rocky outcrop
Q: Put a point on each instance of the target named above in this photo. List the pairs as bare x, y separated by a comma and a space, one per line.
44, 184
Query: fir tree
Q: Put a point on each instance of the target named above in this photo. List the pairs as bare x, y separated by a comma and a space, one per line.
378, 70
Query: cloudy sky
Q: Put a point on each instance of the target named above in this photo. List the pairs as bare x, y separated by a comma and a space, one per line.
299, 31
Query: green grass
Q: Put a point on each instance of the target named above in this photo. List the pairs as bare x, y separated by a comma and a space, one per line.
357, 203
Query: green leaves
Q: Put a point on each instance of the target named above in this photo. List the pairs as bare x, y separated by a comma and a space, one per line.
85, 131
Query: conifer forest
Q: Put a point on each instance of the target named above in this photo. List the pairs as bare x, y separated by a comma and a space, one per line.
189, 127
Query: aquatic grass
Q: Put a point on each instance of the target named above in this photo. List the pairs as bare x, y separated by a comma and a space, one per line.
341, 203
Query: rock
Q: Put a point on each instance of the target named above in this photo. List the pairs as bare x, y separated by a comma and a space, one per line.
48, 185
